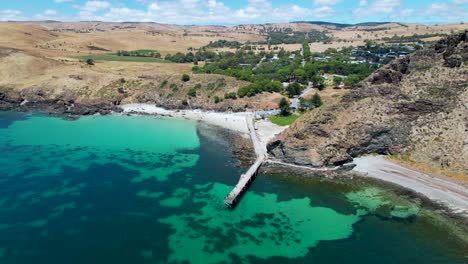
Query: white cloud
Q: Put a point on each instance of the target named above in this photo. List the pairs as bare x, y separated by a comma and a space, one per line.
89, 9
378, 7
326, 2
8, 14
446, 11
94, 6
407, 12
50, 12
210, 12
254, 11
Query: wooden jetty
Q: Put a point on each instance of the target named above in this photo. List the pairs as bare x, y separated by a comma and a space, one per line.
246, 179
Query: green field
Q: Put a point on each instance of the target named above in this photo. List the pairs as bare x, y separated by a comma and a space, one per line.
114, 57
284, 120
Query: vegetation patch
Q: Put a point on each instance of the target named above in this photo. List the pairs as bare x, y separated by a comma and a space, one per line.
115, 57
284, 120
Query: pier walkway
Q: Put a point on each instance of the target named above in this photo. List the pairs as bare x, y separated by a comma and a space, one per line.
247, 178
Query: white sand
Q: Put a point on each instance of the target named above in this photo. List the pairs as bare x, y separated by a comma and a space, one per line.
232, 121
447, 192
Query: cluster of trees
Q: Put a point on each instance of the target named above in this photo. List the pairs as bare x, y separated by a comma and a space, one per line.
288, 36
224, 44
140, 53
354, 72
238, 64
318, 36
260, 86
190, 57
413, 38
294, 89
230, 95
306, 50
269, 75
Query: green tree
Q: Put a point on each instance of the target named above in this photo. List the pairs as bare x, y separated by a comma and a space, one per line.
352, 80
316, 100
318, 81
294, 89
185, 78
300, 75
284, 106
192, 92
230, 95
337, 81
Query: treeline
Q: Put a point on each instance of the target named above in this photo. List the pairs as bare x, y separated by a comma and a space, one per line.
413, 38
260, 86
140, 53
306, 50
238, 64
224, 44
190, 57
294, 37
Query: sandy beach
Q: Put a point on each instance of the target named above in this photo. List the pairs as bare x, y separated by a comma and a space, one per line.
232, 121
437, 189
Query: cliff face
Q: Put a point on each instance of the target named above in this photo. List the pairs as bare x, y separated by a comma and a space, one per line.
417, 105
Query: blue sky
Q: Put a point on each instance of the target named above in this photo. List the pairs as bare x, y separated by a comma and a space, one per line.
224, 12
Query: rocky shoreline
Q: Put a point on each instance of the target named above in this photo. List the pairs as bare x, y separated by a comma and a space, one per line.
68, 107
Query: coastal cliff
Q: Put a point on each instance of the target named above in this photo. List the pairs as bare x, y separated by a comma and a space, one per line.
415, 106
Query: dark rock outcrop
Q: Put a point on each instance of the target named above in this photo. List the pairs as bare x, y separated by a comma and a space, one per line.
41, 102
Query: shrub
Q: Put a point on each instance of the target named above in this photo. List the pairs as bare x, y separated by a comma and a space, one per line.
217, 99
163, 84
185, 78
231, 95
184, 102
316, 100
192, 92
90, 61
284, 106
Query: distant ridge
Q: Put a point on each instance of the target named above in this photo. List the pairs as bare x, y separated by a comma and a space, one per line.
340, 25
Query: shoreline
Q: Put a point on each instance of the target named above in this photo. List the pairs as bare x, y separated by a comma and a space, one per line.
438, 190
234, 121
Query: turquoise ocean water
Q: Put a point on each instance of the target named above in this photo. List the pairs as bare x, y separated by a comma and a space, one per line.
119, 189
